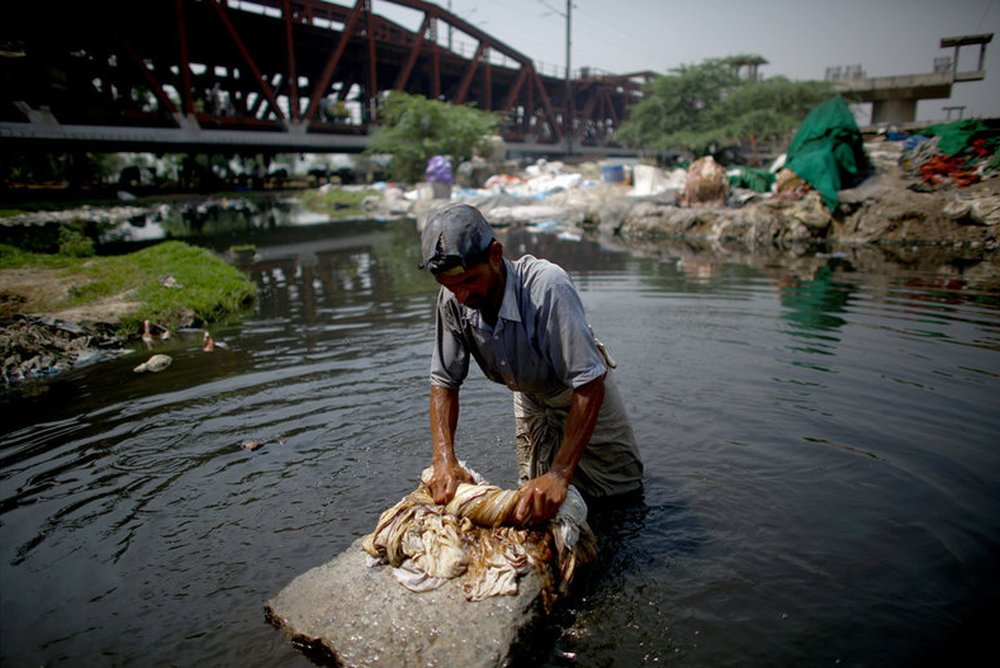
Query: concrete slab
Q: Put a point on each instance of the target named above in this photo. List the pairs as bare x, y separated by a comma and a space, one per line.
346, 613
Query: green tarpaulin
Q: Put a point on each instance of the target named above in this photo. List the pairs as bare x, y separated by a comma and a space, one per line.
827, 151
954, 137
751, 178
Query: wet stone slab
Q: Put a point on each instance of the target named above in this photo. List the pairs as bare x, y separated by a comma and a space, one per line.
346, 613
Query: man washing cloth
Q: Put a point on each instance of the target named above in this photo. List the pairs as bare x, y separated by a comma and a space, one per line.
524, 323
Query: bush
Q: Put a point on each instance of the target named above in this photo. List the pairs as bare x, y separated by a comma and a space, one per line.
74, 243
415, 128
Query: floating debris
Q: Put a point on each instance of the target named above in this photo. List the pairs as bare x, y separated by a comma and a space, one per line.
154, 364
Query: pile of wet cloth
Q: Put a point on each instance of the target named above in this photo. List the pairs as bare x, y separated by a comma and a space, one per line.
476, 537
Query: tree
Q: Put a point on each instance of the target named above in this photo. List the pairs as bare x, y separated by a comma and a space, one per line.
414, 129
708, 107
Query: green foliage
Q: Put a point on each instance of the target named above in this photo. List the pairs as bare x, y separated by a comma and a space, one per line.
74, 243
703, 107
415, 129
335, 202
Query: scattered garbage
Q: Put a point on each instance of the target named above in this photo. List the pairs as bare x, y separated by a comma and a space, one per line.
170, 282
152, 331
613, 173
37, 346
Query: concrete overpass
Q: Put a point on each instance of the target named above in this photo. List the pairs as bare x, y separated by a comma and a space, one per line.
894, 98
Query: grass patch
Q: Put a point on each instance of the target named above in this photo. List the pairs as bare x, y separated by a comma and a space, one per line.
12, 257
209, 289
336, 202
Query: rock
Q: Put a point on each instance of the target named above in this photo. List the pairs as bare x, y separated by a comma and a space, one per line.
350, 614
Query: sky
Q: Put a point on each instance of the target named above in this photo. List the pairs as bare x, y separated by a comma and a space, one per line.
799, 38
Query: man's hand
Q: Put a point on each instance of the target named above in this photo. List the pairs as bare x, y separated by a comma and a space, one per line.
541, 498
445, 481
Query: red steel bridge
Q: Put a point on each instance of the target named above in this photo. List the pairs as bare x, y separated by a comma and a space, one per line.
273, 75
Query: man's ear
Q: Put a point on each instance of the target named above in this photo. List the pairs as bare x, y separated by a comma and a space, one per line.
496, 250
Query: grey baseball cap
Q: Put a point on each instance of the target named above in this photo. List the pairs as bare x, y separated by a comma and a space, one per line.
455, 238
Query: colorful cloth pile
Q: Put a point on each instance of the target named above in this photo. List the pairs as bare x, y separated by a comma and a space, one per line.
952, 154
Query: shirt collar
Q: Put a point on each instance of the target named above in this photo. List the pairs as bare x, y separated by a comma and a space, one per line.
508, 307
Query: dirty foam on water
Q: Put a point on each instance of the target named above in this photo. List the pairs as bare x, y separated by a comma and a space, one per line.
819, 445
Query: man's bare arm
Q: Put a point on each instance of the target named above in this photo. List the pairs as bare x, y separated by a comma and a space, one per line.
444, 421
542, 496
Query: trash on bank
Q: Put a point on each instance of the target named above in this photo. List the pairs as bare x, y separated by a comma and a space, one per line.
152, 331
41, 346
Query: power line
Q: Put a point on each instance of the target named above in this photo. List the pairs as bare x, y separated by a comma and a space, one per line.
983, 20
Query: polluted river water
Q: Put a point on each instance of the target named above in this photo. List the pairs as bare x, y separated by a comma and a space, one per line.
819, 433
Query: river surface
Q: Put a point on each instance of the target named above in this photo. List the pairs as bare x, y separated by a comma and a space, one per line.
821, 437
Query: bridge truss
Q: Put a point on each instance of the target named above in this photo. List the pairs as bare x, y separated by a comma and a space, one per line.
304, 75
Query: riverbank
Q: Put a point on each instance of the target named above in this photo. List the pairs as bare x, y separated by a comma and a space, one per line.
58, 311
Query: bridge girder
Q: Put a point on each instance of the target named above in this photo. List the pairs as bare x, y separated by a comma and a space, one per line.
304, 68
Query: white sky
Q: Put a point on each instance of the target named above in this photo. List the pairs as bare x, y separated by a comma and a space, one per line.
799, 38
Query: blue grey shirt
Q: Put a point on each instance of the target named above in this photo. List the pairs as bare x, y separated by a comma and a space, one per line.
541, 344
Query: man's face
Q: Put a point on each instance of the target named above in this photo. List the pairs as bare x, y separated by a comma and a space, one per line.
480, 286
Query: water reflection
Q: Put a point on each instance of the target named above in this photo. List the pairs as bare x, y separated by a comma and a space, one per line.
217, 216
813, 303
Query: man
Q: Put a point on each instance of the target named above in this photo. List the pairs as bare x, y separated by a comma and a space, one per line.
524, 324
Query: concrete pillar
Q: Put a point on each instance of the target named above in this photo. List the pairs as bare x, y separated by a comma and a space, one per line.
894, 112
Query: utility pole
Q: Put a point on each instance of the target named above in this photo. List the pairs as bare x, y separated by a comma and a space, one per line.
568, 121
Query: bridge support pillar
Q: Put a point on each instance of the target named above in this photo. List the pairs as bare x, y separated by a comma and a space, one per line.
894, 111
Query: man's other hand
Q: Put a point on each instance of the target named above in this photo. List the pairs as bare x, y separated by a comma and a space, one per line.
541, 498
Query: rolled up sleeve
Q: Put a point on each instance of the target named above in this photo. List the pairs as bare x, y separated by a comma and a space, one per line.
450, 359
